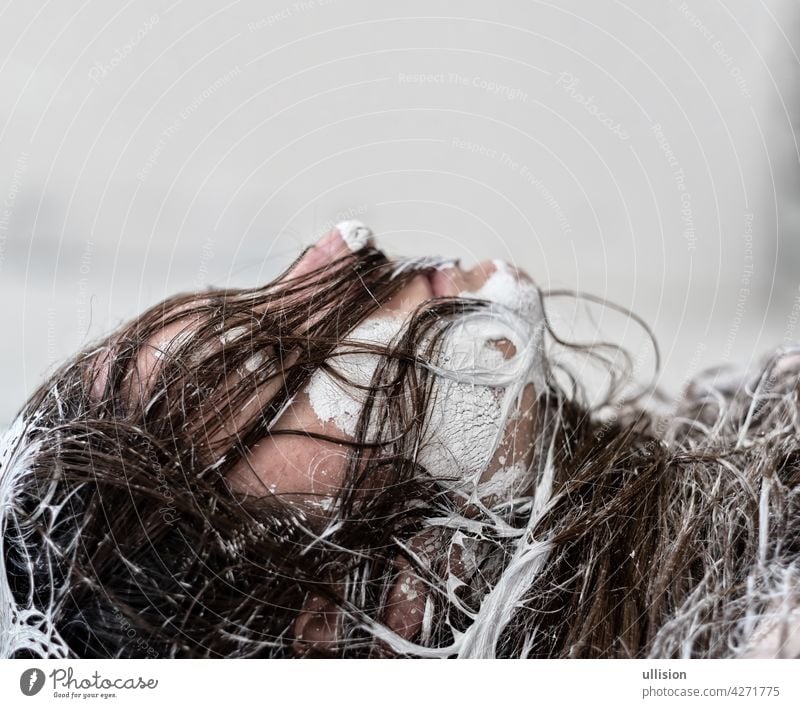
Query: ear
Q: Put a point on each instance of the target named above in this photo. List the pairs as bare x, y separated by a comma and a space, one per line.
315, 629
405, 606
318, 626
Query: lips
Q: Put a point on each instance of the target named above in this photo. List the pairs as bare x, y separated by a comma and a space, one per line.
429, 276
446, 282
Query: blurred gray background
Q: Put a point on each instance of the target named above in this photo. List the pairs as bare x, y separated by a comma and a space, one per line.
643, 152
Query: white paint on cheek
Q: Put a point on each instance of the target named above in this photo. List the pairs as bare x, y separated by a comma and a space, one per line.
354, 233
466, 420
477, 389
332, 399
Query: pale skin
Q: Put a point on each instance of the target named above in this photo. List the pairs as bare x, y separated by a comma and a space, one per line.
306, 466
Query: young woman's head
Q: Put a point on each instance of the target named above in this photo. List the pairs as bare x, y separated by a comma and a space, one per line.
259, 472
367, 458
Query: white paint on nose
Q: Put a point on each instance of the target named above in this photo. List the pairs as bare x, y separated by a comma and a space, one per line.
354, 233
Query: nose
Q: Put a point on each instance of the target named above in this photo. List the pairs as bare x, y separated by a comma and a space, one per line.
346, 237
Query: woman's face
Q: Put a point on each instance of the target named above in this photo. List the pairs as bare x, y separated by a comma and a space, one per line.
305, 465
468, 438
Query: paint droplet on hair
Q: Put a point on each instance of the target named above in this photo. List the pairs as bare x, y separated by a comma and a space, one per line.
233, 333
354, 233
254, 362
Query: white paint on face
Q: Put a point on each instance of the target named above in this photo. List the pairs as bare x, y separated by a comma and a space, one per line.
332, 399
506, 289
477, 389
466, 420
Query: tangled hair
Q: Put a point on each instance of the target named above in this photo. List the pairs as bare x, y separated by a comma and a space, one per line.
638, 535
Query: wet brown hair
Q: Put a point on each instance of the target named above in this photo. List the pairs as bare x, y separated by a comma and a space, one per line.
641, 536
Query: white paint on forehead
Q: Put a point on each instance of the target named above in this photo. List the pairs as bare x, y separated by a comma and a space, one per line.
354, 233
